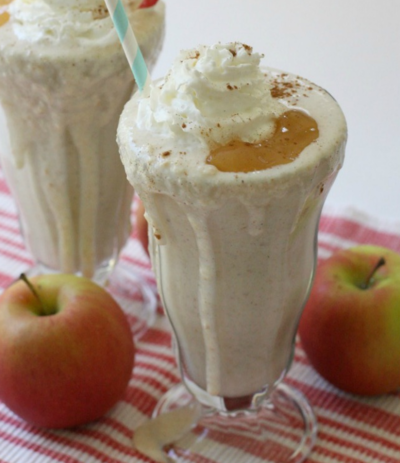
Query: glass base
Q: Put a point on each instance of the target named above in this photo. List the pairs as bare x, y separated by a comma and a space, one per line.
136, 299
283, 429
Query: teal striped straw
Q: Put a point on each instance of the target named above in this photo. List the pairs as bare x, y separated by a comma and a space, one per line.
129, 43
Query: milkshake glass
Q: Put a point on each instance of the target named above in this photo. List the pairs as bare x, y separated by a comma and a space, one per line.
63, 84
233, 163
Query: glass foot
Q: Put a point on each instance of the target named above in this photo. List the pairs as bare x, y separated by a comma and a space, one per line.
283, 429
136, 299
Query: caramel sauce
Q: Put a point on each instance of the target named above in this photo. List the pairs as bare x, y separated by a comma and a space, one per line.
4, 17
294, 131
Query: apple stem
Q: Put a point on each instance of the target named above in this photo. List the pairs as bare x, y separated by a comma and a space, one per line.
379, 264
24, 278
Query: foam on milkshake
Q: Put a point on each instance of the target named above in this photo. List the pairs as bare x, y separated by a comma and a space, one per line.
59, 21
233, 251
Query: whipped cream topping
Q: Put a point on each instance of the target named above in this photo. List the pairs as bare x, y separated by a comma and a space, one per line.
55, 21
210, 96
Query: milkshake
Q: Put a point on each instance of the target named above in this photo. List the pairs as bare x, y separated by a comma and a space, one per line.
233, 163
63, 84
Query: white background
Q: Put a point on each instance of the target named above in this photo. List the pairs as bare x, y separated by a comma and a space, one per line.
349, 47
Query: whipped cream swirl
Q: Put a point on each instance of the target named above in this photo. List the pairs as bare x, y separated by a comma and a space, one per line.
211, 95
59, 21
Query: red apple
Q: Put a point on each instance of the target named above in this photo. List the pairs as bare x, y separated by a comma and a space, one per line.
148, 3
142, 226
66, 350
350, 327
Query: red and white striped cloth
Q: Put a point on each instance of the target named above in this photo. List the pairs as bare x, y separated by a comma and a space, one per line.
351, 429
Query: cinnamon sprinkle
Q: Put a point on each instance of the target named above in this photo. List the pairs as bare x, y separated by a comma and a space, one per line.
248, 48
100, 12
283, 89
196, 55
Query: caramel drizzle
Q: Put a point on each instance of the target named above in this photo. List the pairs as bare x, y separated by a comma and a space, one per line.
5, 16
294, 131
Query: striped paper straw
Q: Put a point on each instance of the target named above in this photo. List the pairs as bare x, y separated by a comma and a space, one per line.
129, 44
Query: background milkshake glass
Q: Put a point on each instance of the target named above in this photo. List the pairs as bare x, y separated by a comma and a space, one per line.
233, 235
63, 84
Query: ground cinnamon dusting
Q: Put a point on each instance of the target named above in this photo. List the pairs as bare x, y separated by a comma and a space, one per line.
281, 89
196, 55
248, 48
100, 12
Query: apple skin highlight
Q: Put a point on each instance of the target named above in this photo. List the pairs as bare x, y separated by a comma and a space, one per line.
69, 367
351, 333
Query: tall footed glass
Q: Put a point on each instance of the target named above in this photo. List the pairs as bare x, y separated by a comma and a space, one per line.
233, 245
63, 84
233, 290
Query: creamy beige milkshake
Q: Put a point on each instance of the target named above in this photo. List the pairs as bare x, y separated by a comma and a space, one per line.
63, 84
233, 163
